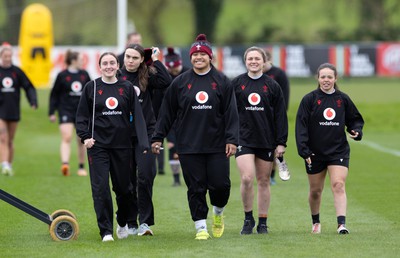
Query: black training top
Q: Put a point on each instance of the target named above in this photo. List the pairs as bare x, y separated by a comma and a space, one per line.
66, 91
117, 113
204, 108
262, 112
12, 79
159, 80
281, 78
320, 125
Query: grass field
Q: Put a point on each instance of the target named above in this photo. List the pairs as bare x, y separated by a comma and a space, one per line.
372, 187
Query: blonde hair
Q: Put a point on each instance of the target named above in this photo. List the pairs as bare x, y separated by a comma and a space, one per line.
5, 46
259, 50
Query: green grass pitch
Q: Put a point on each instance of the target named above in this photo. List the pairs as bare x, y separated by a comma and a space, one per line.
373, 189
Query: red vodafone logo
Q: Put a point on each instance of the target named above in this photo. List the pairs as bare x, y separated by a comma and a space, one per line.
329, 114
112, 103
202, 97
7, 82
76, 86
137, 90
254, 99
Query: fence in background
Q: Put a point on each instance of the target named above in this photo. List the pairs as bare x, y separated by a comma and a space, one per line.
352, 60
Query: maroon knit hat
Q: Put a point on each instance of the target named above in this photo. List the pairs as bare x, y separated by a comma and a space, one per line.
201, 45
172, 59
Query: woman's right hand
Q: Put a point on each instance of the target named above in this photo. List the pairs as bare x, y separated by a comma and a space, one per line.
52, 118
89, 143
156, 147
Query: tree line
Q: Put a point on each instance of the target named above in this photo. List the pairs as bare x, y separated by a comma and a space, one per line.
93, 22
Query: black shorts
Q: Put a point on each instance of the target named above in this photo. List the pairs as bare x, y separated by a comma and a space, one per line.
317, 166
264, 154
66, 118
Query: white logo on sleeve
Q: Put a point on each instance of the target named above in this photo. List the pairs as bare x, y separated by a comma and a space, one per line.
254, 99
329, 114
201, 97
111, 103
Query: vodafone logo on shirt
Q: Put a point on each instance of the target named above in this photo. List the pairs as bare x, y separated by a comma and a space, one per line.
201, 97
137, 90
329, 114
7, 83
111, 103
254, 99
76, 86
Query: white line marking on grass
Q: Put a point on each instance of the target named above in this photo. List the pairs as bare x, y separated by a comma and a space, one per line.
380, 148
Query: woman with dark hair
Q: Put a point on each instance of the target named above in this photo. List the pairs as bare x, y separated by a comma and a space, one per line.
143, 69
64, 97
322, 119
107, 113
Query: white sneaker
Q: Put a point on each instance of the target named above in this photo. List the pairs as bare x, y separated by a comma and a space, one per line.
144, 230
316, 228
122, 232
107, 238
7, 170
283, 170
342, 229
133, 231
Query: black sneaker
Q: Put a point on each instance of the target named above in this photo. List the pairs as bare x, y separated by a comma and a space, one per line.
262, 229
248, 227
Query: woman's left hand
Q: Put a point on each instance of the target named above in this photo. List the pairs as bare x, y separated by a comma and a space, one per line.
156, 147
279, 151
230, 149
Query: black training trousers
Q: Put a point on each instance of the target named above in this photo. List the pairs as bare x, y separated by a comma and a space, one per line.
104, 162
143, 173
202, 172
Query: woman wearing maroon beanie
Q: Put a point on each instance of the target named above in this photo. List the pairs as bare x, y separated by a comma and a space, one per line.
202, 104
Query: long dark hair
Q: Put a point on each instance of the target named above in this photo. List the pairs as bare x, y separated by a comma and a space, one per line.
143, 70
329, 66
71, 56
108, 53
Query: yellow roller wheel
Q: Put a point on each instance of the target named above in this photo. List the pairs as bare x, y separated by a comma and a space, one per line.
64, 228
62, 212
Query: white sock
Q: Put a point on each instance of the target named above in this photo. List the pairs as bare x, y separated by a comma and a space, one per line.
5, 164
218, 210
200, 225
